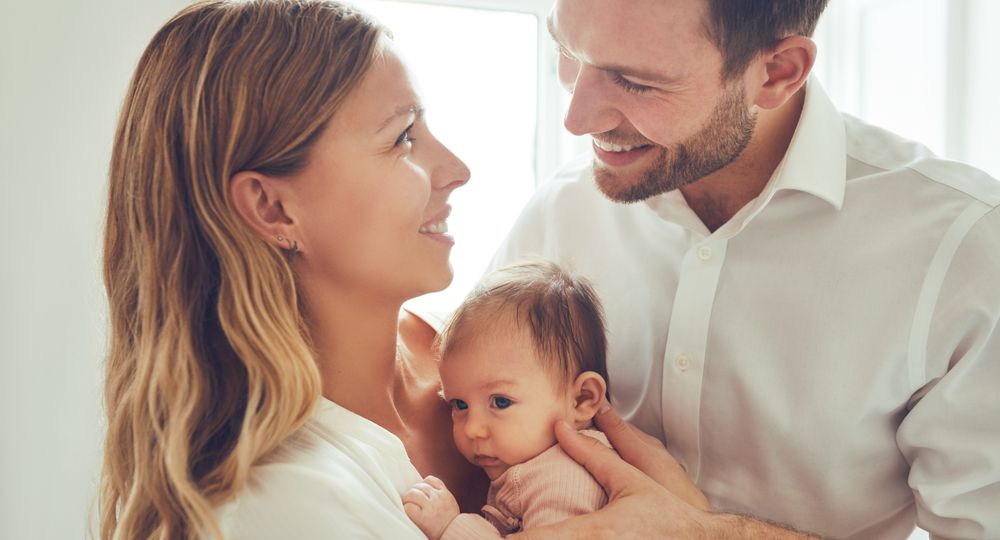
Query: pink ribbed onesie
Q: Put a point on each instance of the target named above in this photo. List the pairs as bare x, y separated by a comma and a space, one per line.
546, 489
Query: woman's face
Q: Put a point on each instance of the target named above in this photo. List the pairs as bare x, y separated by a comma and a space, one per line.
370, 207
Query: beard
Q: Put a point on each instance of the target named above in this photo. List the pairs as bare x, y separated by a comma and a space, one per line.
718, 143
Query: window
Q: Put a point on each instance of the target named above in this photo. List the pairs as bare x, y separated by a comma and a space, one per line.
486, 70
921, 68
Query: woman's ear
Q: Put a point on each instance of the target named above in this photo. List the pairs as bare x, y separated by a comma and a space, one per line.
588, 395
258, 202
784, 70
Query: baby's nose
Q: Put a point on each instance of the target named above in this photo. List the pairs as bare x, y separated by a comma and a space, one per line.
476, 429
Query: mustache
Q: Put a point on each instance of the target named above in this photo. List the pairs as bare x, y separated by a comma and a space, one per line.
623, 139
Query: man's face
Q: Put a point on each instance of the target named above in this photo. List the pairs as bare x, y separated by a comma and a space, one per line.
646, 86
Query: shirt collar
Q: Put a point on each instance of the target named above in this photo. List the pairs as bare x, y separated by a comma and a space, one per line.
815, 162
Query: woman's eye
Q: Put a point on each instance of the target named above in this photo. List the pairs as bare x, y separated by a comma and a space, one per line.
630, 86
459, 405
501, 402
404, 137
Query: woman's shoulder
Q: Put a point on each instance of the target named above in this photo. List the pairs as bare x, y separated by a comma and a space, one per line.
318, 485
287, 501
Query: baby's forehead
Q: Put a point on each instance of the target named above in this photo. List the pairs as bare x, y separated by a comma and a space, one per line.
481, 363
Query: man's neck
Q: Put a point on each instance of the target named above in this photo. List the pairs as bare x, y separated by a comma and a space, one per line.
717, 197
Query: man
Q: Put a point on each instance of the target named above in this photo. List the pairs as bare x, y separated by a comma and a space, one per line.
803, 307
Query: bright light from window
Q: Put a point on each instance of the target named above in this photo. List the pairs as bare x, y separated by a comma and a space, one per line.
477, 72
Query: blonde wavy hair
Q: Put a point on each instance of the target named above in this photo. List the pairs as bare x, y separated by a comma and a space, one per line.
209, 365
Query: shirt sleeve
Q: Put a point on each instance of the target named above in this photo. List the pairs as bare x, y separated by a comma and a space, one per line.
294, 502
553, 487
470, 527
951, 433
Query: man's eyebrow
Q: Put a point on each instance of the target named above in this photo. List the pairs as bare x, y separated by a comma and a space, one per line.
647, 75
413, 109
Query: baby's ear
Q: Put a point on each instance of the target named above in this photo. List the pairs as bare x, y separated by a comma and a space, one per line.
588, 393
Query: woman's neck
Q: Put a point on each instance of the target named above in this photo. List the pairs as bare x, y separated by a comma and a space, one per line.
355, 342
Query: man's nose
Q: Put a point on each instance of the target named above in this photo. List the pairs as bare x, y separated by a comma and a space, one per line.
590, 108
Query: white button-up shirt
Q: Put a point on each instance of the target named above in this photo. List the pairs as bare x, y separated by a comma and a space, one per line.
830, 357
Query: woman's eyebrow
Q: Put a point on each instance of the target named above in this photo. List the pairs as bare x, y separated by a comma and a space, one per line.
405, 110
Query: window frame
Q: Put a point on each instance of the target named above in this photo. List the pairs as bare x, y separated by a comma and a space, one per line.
550, 152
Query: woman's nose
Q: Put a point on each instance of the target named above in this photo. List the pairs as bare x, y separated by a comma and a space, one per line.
451, 172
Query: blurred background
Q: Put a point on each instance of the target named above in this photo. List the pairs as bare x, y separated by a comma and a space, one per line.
927, 69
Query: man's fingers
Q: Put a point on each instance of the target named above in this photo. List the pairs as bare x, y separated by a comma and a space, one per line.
602, 462
613, 425
649, 456
633, 445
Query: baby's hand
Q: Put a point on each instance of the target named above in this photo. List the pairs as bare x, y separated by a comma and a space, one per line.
431, 506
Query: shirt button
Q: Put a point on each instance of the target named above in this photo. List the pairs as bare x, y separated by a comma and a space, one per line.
704, 253
682, 362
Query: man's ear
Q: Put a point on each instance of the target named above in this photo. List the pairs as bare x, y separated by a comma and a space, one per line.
258, 202
588, 395
783, 70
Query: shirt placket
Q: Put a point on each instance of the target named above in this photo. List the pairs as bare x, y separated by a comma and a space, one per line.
684, 356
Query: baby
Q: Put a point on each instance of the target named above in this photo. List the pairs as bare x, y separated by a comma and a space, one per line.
525, 349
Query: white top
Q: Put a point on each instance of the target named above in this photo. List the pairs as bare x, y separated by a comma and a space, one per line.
830, 357
339, 476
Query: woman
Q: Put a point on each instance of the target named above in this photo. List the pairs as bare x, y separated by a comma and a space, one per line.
275, 196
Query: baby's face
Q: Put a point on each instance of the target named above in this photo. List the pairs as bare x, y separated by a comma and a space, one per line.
504, 404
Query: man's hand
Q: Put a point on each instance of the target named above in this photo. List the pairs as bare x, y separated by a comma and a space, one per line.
648, 455
430, 506
649, 494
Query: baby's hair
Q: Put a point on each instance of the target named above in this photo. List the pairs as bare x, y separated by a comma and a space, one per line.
561, 309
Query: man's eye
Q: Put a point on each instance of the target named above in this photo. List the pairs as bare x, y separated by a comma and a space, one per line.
501, 402
630, 86
458, 404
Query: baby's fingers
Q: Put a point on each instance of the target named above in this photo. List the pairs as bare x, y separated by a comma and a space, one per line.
416, 496
434, 482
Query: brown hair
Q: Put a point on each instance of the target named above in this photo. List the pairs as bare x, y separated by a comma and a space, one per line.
562, 310
743, 29
209, 365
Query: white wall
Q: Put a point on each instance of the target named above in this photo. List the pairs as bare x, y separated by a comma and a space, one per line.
64, 68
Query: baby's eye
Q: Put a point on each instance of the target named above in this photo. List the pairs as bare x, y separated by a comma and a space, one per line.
458, 404
501, 402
